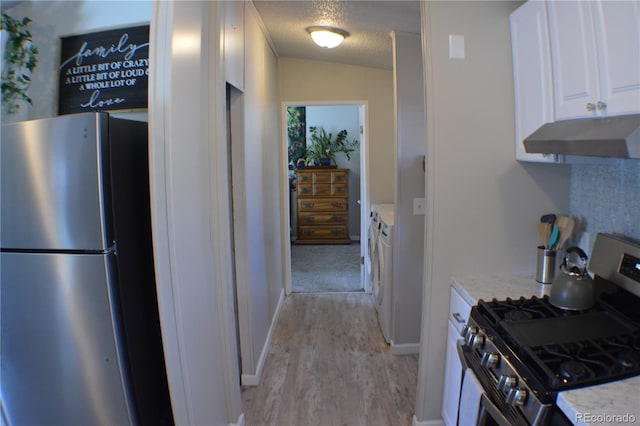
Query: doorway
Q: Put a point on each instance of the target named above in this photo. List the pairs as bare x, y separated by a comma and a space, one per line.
326, 267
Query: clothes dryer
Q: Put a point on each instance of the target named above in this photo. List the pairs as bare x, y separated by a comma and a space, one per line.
372, 240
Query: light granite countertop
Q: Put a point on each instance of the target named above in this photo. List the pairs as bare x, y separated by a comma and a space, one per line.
613, 403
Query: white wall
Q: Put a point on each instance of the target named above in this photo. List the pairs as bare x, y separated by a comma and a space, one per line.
259, 254
482, 205
334, 118
60, 18
190, 212
409, 228
302, 80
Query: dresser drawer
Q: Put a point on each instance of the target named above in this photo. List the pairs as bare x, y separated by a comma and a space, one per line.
305, 189
338, 177
339, 189
313, 218
322, 232
324, 205
320, 177
304, 177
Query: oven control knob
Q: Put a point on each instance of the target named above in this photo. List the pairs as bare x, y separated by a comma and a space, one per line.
471, 331
490, 359
507, 382
464, 330
516, 396
477, 341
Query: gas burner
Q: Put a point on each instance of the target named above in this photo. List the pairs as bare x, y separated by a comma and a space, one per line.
572, 371
518, 315
629, 359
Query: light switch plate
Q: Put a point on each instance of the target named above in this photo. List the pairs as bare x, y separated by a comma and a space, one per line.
456, 46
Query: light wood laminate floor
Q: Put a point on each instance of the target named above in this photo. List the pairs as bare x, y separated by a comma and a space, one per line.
329, 365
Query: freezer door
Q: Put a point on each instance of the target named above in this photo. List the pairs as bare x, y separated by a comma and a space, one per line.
52, 186
61, 364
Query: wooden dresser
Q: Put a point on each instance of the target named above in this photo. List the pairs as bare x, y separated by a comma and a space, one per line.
323, 208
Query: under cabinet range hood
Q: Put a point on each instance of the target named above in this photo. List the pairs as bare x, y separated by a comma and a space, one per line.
617, 137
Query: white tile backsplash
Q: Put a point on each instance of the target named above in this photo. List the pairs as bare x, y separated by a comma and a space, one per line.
605, 198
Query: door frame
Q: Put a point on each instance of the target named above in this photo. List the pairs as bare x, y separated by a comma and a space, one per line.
285, 218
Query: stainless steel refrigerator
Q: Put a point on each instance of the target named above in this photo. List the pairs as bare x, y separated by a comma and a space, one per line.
81, 341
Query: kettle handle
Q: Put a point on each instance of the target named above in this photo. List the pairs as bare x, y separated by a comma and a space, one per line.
581, 254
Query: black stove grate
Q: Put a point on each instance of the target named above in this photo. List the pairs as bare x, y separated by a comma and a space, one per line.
566, 349
577, 364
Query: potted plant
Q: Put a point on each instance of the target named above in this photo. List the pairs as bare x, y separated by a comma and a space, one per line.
20, 59
323, 148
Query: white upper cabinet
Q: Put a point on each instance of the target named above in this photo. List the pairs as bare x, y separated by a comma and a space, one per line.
234, 43
595, 50
618, 23
533, 85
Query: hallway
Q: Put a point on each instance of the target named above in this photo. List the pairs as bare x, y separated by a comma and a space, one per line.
329, 365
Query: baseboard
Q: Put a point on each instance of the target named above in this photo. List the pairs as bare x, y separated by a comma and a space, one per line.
415, 422
240, 421
355, 238
405, 348
254, 379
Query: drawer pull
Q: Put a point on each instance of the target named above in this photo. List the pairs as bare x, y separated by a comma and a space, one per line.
308, 205
458, 317
336, 205
337, 232
337, 218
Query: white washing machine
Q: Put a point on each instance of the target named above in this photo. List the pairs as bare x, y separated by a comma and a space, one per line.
383, 274
372, 239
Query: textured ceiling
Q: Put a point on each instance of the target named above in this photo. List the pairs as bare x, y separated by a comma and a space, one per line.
369, 24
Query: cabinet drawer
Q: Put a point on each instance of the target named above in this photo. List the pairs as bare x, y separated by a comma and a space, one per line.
305, 189
304, 178
324, 205
322, 177
458, 310
322, 232
338, 177
328, 218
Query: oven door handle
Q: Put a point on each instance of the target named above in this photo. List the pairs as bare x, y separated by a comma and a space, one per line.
463, 358
488, 408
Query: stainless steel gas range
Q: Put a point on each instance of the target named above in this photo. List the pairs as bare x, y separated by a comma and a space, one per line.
524, 351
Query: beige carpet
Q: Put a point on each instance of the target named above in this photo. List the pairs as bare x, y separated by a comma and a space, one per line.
325, 268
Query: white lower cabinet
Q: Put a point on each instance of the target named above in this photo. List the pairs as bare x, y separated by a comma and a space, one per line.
458, 315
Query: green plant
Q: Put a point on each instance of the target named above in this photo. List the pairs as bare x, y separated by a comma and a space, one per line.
324, 147
296, 125
21, 58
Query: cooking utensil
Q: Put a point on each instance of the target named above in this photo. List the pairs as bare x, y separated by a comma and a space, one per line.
548, 218
553, 237
543, 230
565, 225
573, 288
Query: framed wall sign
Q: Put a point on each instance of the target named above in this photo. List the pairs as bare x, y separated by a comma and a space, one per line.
104, 71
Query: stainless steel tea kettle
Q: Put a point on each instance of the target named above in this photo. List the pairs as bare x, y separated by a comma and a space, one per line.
573, 288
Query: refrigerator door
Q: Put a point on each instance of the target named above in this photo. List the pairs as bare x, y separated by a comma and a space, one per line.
53, 191
60, 361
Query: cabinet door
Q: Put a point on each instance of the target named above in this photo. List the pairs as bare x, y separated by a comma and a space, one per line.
533, 87
234, 43
617, 24
452, 379
574, 59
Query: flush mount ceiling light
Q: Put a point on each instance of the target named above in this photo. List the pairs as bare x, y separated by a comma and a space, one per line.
329, 37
